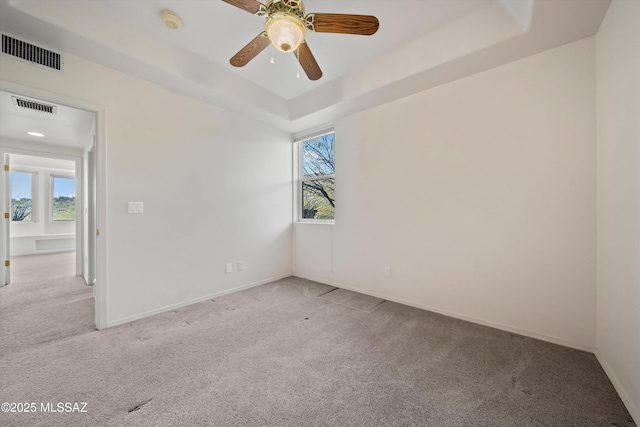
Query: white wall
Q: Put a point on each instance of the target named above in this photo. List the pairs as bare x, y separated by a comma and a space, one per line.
618, 296
216, 188
480, 196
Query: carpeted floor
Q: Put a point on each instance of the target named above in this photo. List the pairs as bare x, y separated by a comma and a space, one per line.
280, 355
29, 268
44, 302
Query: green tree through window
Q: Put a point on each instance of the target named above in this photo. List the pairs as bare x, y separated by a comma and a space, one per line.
64, 199
21, 197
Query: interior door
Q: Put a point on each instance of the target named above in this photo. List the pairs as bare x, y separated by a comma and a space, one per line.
91, 218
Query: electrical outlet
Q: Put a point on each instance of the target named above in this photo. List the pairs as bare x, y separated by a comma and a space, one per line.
240, 265
387, 272
229, 268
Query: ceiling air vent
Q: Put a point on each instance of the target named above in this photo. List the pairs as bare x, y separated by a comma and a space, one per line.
31, 53
34, 105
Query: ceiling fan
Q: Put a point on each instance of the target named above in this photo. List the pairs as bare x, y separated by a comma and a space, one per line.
287, 25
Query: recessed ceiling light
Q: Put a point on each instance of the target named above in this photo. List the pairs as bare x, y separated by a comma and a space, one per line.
38, 134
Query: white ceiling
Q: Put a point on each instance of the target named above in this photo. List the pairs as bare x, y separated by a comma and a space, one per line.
67, 127
217, 30
420, 44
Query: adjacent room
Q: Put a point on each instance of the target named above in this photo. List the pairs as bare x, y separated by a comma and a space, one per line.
389, 212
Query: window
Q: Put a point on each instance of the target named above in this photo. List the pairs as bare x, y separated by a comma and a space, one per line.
317, 177
63, 203
22, 190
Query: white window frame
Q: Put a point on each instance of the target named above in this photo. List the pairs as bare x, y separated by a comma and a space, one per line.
299, 140
34, 195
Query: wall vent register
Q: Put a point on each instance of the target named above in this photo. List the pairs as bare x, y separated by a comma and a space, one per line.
28, 104
36, 55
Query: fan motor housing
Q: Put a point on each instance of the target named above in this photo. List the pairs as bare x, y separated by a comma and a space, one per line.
291, 7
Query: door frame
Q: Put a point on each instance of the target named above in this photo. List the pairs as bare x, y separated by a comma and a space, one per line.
5, 233
100, 150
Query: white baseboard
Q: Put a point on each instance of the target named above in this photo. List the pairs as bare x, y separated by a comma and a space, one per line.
527, 333
632, 407
189, 302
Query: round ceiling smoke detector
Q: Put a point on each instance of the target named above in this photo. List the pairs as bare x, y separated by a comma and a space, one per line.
170, 19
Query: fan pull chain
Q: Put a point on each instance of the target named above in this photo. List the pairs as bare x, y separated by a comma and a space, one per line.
271, 60
298, 65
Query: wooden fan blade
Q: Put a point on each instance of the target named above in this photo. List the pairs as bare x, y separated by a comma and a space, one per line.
365, 25
308, 62
251, 6
250, 51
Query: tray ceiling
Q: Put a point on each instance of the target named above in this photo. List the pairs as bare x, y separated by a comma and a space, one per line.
420, 44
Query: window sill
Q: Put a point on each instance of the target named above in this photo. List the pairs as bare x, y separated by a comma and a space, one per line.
316, 221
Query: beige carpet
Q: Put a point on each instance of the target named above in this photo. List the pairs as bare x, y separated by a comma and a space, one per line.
277, 355
44, 302
29, 268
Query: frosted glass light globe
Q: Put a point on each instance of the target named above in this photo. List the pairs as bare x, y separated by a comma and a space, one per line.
286, 32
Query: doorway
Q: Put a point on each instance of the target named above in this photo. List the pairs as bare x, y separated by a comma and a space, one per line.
44, 213
48, 190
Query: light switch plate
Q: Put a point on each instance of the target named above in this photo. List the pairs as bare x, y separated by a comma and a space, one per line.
136, 207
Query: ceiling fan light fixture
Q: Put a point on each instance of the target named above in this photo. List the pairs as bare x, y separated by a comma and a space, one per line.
286, 28
285, 31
